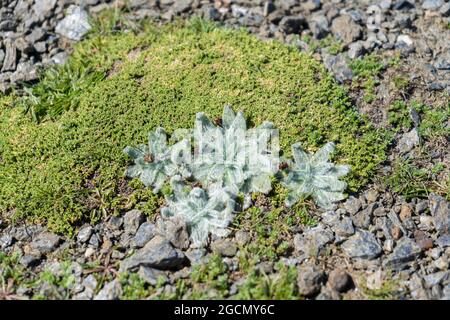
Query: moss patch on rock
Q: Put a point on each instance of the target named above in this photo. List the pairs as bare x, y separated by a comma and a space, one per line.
70, 169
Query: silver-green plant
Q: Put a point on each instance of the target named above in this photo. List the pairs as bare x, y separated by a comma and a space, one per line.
203, 213
312, 175
153, 163
222, 154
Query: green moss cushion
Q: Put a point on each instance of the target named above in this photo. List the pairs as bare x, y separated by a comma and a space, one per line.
68, 170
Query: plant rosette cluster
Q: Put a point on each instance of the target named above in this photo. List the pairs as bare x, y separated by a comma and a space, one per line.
211, 165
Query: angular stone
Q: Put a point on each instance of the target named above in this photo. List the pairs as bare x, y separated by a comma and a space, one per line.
422, 240
75, 25
43, 8
352, 205
443, 241
157, 253
292, 24
405, 251
181, 6
175, 230
440, 210
224, 247
10, 60
30, 260
111, 291
408, 141
132, 220
5, 241
152, 276
313, 241
344, 228
356, 49
432, 4
362, 245
345, 29
84, 234
309, 280
338, 66
145, 233
339, 280
436, 278
36, 35
45, 242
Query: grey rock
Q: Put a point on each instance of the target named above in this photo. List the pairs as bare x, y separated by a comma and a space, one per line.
175, 230
157, 253
319, 26
25, 71
436, 278
445, 9
111, 291
385, 225
432, 4
385, 4
25, 233
356, 49
396, 221
339, 280
440, 210
30, 260
292, 24
405, 40
345, 29
421, 206
362, 219
181, 6
132, 220
436, 86
75, 25
352, 205
146, 231
115, 223
137, 4
362, 245
313, 241
344, 228
338, 66
224, 247
403, 5
197, 256
23, 46
446, 292
43, 8
152, 276
94, 241
443, 241
416, 286
10, 60
405, 251
40, 46
90, 283
84, 234
242, 237
60, 58
309, 280
45, 242
210, 13
408, 141
5, 241
2, 57
36, 35
328, 294
268, 8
